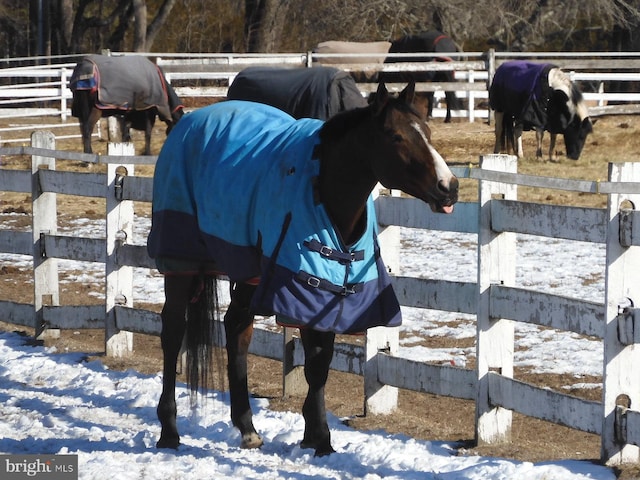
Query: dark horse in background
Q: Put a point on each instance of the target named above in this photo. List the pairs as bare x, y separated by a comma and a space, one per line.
131, 87
432, 41
319, 92
283, 207
538, 96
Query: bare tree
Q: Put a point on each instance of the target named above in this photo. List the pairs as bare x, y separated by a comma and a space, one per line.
555, 24
117, 25
264, 24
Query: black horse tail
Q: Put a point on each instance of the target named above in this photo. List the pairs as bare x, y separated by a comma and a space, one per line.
203, 336
508, 139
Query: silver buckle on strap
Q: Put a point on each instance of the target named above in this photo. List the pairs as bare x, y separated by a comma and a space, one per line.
326, 251
313, 282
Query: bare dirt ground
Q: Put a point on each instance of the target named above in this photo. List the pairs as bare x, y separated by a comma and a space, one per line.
422, 416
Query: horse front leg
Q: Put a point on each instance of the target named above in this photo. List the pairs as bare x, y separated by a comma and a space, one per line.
318, 352
150, 120
177, 290
539, 137
238, 325
450, 97
552, 147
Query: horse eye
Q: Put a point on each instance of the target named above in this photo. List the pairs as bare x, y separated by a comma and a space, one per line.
396, 138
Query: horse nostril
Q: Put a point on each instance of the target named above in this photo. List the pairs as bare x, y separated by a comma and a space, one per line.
448, 186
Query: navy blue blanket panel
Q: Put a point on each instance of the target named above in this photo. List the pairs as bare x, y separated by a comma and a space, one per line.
520, 89
234, 185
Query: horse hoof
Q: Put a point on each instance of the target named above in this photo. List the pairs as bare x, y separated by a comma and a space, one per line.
251, 440
322, 450
173, 443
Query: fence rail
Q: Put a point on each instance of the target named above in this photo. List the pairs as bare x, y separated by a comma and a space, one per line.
495, 299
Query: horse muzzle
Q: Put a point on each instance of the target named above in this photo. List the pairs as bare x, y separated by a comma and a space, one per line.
446, 197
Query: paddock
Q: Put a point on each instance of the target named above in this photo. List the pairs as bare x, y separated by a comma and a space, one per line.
494, 300
40, 87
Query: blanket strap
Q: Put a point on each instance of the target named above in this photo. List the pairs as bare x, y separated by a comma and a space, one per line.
323, 284
268, 274
328, 252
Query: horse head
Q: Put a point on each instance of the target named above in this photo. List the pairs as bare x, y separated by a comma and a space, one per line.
568, 114
406, 159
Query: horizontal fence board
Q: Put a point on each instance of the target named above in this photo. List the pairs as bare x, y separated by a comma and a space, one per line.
526, 180
556, 221
134, 256
74, 316
75, 248
545, 404
435, 294
414, 213
73, 183
555, 311
15, 181
266, 343
20, 243
138, 189
348, 358
422, 377
18, 313
137, 320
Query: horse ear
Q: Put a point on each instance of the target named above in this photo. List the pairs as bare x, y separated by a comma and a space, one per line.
380, 99
408, 94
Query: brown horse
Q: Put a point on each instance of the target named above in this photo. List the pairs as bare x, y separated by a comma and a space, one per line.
197, 233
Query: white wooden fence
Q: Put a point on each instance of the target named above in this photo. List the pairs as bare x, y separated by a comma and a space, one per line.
494, 299
46, 85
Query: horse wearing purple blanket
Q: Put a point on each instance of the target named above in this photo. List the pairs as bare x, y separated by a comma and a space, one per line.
538, 96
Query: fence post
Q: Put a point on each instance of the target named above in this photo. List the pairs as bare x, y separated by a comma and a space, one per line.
379, 398
293, 381
44, 222
63, 98
119, 278
621, 383
495, 336
471, 98
491, 70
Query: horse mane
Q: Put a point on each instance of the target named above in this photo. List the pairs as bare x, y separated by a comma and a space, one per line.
576, 97
559, 80
335, 128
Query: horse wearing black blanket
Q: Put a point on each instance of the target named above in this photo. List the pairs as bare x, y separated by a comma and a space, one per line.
318, 92
538, 96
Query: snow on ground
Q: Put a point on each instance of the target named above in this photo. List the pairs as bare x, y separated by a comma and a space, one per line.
58, 403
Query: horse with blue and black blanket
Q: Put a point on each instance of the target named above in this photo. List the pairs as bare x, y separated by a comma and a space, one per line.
283, 208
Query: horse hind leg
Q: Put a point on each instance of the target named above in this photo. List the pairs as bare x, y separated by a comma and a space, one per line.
87, 126
318, 351
177, 292
238, 324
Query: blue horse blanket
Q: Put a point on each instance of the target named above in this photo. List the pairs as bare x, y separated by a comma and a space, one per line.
234, 186
521, 90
